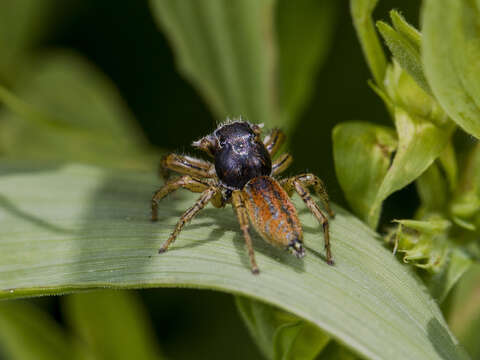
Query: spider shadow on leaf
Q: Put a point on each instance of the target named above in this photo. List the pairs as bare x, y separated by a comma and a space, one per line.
221, 228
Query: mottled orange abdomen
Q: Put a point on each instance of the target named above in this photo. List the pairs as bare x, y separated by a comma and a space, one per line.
272, 212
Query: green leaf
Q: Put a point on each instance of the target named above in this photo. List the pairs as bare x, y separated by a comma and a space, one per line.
76, 227
404, 92
451, 58
404, 43
362, 154
430, 244
335, 351
281, 335
95, 317
448, 162
67, 104
432, 189
227, 50
22, 23
361, 11
304, 37
407, 31
251, 58
465, 207
441, 283
464, 316
420, 143
28, 333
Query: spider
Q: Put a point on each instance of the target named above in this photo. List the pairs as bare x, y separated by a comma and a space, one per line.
244, 175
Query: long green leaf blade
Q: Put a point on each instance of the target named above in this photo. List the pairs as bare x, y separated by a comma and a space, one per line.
70, 105
79, 227
361, 11
304, 29
451, 58
226, 48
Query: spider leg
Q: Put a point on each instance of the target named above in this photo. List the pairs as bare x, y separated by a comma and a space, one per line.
238, 204
299, 184
310, 180
188, 215
273, 141
186, 165
185, 181
281, 164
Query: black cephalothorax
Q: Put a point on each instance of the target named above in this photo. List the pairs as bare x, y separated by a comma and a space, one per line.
243, 175
240, 155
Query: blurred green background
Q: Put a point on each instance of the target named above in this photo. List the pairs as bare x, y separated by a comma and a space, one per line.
122, 40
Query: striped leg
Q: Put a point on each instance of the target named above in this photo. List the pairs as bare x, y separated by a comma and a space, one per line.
186, 182
310, 180
273, 141
188, 215
281, 164
299, 184
186, 165
242, 215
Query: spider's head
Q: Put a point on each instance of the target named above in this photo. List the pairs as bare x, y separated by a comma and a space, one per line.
296, 248
234, 133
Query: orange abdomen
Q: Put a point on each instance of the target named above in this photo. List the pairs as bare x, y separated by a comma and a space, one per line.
272, 212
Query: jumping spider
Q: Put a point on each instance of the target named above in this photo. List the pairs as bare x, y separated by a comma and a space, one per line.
243, 174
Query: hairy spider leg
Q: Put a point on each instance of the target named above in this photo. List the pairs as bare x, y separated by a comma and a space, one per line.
186, 182
317, 184
281, 164
186, 165
273, 141
238, 204
299, 184
188, 215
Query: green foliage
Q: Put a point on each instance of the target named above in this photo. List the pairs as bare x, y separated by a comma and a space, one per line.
22, 23
99, 235
372, 49
404, 42
304, 33
69, 105
98, 320
111, 325
428, 244
451, 57
367, 147
251, 58
69, 227
28, 333
464, 314
440, 240
279, 334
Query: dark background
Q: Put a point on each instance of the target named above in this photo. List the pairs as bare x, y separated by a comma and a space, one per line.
122, 40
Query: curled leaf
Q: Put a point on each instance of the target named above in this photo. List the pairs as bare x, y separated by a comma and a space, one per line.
420, 143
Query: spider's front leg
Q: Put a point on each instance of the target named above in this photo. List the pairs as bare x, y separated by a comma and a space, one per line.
186, 165
186, 182
281, 164
299, 184
273, 141
188, 215
238, 204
